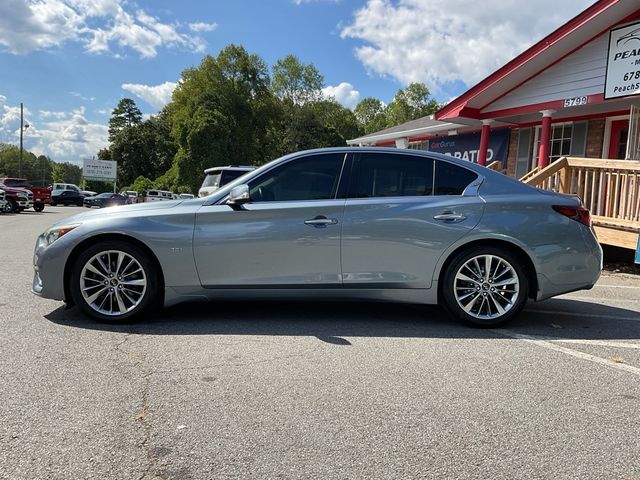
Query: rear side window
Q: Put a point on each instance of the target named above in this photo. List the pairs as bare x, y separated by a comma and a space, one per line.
452, 179
392, 175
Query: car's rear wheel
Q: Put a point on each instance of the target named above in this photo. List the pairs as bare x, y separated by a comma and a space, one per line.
114, 281
485, 286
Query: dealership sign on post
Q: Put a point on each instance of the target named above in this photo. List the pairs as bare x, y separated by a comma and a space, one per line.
104, 170
623, 62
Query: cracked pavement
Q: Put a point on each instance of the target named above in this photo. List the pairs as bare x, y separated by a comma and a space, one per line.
314, 390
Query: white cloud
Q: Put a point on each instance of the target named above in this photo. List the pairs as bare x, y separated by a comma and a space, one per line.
157, 95
64, 136
100, 25
300, 2
344, 94
202, 27
442, 41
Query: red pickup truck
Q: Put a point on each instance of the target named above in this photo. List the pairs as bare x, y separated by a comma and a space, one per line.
41, 195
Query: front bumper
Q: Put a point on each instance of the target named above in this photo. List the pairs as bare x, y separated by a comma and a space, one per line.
48, 265
24, 203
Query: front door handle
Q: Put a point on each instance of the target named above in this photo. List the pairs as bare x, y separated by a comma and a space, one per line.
320, 221
450, 217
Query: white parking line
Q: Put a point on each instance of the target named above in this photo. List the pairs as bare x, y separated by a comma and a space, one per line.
600, 343
610, 285
580, 314
568, 351
598, 300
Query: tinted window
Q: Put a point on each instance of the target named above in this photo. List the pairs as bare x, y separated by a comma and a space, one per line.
309, 178
452, 179
389, 175
16, 183
230, 175
105, 195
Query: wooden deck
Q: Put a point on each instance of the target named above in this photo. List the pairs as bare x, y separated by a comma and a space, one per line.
610, 189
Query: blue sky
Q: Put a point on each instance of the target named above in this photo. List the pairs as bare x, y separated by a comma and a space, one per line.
70, 61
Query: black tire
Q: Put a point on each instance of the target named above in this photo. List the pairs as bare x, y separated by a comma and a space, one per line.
149, 299
10, 206
38, 207
53, 204
495, 297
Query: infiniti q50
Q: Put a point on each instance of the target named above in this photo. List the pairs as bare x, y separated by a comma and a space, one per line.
359, 223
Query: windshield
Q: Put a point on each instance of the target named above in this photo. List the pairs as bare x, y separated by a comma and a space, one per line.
211, 180
16, 183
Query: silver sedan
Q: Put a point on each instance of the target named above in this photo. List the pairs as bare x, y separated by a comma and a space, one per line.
366, 223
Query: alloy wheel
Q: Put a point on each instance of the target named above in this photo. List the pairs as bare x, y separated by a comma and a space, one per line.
113, 283
486, 287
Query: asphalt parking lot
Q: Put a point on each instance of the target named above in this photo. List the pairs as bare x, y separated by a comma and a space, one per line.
315, 390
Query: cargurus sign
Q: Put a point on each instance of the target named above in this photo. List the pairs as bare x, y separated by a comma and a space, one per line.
466, 146
623, 62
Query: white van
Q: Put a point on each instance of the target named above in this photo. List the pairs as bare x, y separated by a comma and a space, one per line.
216, 177
159, 195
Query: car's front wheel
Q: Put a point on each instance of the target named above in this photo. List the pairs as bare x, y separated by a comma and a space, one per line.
10, 206
114, 281
38, 207
485, 286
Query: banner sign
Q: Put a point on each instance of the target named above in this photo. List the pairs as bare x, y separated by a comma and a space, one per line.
466, 146
99, 170
623, 62
638, 250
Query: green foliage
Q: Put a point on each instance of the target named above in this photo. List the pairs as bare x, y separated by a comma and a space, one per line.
371, 115
411, 103
37, 169
145, 149
125, 115
222, 114
67, 173
228, 111
140, 185
296, 82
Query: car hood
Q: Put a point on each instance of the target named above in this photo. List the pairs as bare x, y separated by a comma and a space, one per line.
134, 210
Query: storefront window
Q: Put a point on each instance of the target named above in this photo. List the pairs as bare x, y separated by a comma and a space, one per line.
567, 139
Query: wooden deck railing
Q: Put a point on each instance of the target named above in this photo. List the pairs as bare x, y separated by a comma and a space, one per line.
497, 166
610, 189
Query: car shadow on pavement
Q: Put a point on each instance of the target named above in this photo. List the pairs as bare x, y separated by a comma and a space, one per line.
330, 322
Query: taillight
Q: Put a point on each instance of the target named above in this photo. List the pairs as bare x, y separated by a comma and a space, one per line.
578, 214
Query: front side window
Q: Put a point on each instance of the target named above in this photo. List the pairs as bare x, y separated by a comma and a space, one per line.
314, 177
389, 175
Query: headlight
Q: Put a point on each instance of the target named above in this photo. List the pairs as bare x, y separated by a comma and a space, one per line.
22, 194
55, 233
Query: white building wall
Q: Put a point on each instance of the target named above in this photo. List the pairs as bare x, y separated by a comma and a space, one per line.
580, 74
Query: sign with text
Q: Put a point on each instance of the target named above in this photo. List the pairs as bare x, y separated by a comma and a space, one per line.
105, 170
466, 146
623, 62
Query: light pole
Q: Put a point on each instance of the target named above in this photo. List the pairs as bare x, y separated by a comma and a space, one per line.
23, 127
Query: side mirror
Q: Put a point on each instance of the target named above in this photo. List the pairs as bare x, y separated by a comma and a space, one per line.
239, 195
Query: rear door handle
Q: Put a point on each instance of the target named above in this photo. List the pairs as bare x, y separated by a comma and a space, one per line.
320, 221
450, 217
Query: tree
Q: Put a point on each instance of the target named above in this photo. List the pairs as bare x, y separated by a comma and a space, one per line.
37, 169
67, 173
104, 154
371, 114
413, 102
145, 149
296, 82
125, 115
222, 113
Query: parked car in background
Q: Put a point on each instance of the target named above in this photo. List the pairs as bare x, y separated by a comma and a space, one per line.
186, 196
368, 223
58, 187
216, 177
41, 195
67, 197
3, 201
106, 200
18, 199
159, 195
132, 195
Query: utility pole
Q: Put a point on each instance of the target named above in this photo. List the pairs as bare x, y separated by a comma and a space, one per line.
21, 130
